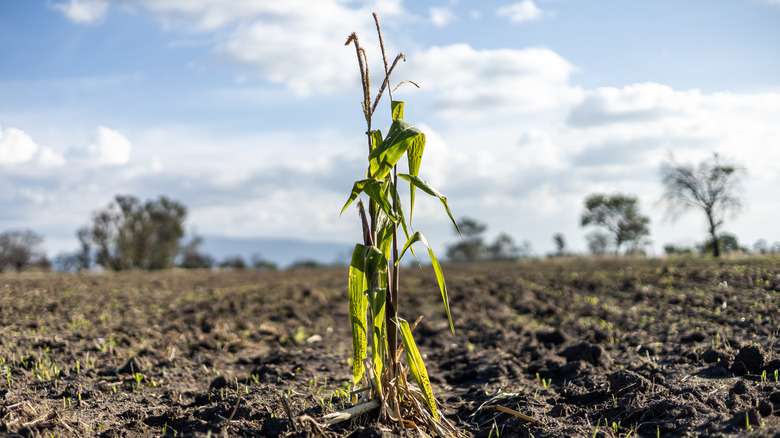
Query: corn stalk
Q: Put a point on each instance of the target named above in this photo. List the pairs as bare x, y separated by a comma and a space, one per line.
374, 268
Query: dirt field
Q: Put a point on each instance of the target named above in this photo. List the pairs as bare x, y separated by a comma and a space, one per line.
604, 348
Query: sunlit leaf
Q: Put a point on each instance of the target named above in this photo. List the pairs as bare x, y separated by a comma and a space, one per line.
414, 155
397, 109
376, 139
418, 237
427, 188
376, 299
400, 138
374, 190
402, 219
384, 235
376, 266
417, 366
405, 227
358, 305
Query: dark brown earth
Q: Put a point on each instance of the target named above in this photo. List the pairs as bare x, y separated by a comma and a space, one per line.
600, 348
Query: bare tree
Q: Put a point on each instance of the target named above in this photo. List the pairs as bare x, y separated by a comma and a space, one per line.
472, 247
560, 244
19, 248
714, 186
619, 215
504, 248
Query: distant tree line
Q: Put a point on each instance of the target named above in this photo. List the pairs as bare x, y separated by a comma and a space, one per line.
618, 226
126, 234
131, 234
472, 247
712, 187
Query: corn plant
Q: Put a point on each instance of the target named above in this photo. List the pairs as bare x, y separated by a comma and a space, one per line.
374, 269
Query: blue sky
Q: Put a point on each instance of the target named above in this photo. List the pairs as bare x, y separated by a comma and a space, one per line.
248, 111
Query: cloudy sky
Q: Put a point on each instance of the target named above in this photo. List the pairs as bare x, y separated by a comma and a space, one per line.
247, 111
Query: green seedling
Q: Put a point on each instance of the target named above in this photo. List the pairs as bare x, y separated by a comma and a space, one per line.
374, 270
494, 428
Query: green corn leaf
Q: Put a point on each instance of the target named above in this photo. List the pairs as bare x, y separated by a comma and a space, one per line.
401, 218
397, 109
414, 155
427, 188
378, 193
376, 299
358, 305
418, 237
400, 138
417, 366
374, 190
376, 139
376, 267
384, 235
357, 189
367, 264
405, 227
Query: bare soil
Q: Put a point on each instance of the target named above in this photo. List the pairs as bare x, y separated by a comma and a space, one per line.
604, 348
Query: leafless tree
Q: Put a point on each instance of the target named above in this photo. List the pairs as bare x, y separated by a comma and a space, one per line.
19, 248
472, 246
560, 244
714, 187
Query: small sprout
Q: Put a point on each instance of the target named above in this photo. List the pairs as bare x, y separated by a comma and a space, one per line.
494, 428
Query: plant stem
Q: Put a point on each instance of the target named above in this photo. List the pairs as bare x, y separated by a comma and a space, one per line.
391, 311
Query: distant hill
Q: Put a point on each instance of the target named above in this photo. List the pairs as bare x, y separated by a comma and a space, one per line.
283, 252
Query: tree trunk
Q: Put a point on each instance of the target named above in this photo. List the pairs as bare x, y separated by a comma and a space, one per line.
715, 240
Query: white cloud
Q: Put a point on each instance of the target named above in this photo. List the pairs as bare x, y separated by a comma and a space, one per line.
633, 103
441, 16
216, 14
470, 82
296, 43
16, 146
48, 158
521, 12
109, 148
636, 126
83, 11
